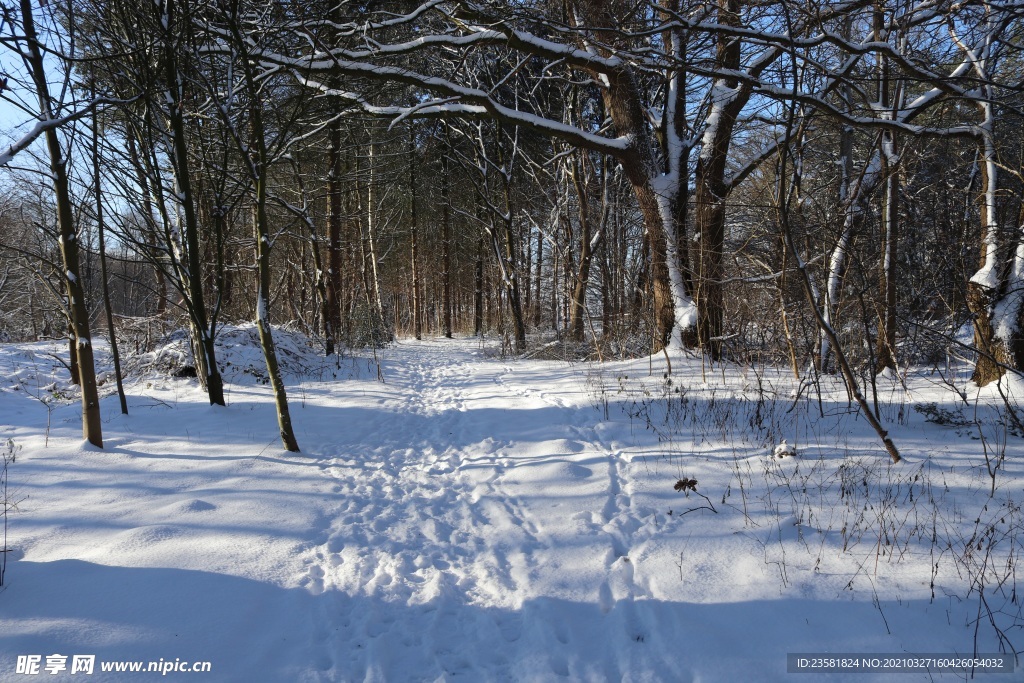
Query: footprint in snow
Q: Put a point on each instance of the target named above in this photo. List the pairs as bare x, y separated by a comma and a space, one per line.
560, 665
314, 580
561, 632
605, 600
511, 627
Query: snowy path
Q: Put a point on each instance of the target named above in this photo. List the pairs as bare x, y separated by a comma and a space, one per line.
474, 493
467, 519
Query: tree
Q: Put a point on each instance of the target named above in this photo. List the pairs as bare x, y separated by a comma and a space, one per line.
256, 159
31, 49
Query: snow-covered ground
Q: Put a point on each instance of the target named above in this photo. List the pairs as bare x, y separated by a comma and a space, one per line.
464, 517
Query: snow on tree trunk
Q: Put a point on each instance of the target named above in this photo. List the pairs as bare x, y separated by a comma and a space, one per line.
997, 303
670, 189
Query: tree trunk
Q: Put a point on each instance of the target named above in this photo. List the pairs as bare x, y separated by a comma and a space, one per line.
284, 420
191, 274
100, 230
885, 355
656, 193
371, 240
712, 188
623, 105
91, 426
555, 263
995, 300
446, 247
995, 293
537, 306
478, 295
417, 304
76, 375
579, 297
332, 319
258, 168
850, 193
512, 287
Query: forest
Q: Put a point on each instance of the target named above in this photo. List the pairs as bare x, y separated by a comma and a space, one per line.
829, 186
511, 340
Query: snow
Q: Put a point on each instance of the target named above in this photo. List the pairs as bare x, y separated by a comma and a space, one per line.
986, 276
666, 190
474, 100
38, 128
684, 308
784, 449
261, 308
486, 519
720, 97
588, 56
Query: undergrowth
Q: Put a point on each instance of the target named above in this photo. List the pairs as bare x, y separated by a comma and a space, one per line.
9, 454
948, 521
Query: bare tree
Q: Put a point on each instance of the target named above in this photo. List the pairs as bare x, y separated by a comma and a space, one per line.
32, 54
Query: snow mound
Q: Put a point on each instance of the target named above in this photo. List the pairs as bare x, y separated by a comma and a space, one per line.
784, 450
239, 355
187, 506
